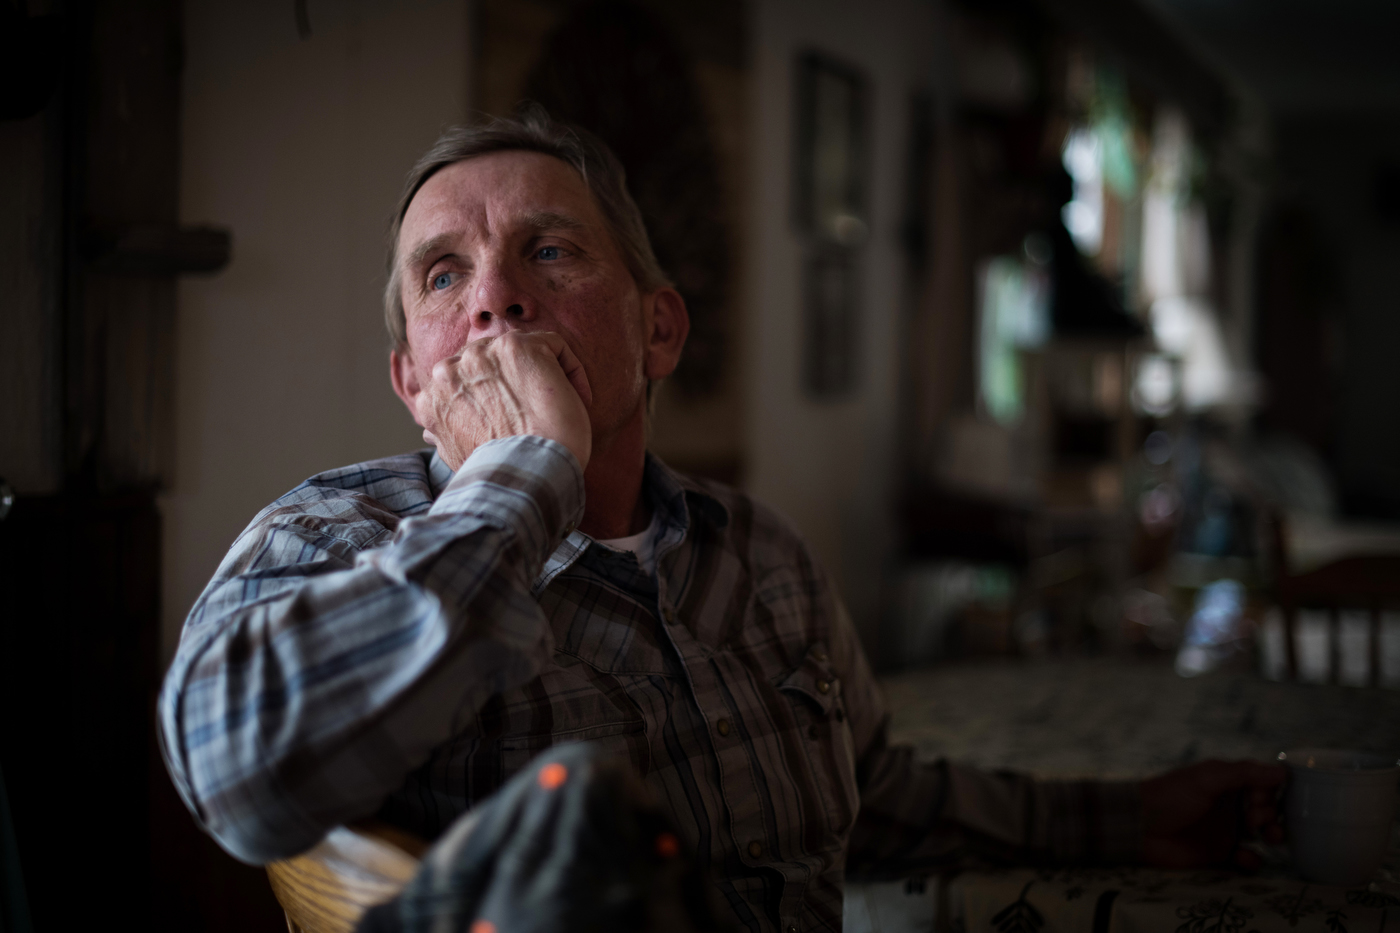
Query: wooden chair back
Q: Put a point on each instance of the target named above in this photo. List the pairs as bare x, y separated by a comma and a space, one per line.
1370, 582
328, 888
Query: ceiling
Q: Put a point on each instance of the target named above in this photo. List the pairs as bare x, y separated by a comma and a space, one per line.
1300, 56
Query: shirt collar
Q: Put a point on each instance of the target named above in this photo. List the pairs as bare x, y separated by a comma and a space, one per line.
672, 498
439, 473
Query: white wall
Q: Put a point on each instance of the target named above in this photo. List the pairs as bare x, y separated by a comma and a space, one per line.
830, 467
299, 147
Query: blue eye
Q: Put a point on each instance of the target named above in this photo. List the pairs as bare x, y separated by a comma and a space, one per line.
548, 253
442, 281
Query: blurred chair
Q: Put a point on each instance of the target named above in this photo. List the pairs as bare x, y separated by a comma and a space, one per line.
1363, 581
328, 888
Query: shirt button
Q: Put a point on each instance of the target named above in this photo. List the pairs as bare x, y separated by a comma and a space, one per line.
823, 686
723, 726
792, 928
755, 849
668, 614
819, 657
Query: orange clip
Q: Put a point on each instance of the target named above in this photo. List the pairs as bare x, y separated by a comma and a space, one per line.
551, 776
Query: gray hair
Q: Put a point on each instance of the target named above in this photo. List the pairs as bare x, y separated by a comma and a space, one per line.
532, 131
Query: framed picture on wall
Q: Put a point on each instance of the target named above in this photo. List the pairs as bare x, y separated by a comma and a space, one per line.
830, 212
832, 150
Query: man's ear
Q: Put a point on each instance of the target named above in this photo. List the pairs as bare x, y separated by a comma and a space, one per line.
670, 325
404, 375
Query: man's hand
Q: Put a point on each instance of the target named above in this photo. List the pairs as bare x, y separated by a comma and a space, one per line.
504, 386
1199, 815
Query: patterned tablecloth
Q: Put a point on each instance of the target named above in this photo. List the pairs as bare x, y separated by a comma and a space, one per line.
1125, 900
1134, 900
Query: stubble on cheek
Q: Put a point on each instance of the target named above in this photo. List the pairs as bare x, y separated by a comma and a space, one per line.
609, 343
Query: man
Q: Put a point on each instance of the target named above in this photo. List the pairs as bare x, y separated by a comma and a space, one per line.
401, 636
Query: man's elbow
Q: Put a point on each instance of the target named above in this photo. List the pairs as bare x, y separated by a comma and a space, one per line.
250, 818
253, 840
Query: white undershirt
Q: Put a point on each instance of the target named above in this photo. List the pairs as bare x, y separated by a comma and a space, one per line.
642, 544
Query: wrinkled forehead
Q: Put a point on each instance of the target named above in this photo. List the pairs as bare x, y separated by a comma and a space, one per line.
495, 193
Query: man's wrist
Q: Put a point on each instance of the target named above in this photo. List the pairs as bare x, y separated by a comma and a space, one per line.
532, 484
1095, 822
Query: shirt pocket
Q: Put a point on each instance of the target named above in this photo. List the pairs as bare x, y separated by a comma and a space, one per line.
574, 702
824, 730
623, 740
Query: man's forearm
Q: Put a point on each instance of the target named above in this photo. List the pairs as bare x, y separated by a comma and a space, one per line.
319, 669
937, 814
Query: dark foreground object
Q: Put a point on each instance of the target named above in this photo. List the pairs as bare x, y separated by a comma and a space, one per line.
574, 843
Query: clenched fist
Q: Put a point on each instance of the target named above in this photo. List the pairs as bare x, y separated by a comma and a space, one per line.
503, 386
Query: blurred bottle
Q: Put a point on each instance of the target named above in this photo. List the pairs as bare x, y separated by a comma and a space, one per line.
1217, 631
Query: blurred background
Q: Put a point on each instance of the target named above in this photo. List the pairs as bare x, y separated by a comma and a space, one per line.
1065, 330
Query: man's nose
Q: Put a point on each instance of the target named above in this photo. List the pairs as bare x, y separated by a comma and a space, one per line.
500, 302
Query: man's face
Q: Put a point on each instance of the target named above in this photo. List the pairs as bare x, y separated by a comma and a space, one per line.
514, 241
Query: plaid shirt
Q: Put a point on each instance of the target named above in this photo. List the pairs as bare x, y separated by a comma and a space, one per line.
391, 638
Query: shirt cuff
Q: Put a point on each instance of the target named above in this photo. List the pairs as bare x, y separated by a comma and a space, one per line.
1094, 822
529, 484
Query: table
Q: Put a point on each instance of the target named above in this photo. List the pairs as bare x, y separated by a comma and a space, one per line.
1188, 902
1123, 900
1107, 718
1123, 718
